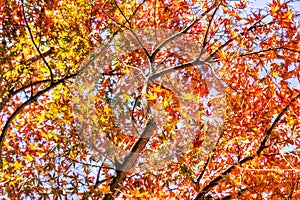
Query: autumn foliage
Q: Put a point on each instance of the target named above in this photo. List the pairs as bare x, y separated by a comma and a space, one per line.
149, 99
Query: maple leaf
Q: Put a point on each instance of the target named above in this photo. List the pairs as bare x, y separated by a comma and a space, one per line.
28, 158
18, 165
157, 88
151, 96
104, 189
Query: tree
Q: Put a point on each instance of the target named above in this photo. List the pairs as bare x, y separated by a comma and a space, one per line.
149, 99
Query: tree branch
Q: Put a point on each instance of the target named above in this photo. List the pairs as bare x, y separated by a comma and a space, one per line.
36, 58
137, 8
202, 173
255, 25
290, 197
216, 180
269, 131
53, 84
179, 34
178, 67
34, 43
136, 36
207, 30
240, 193
20, 108
130, 160
259, 52
269, 49
289, 49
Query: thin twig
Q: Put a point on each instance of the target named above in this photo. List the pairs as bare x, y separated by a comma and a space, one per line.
34, 43
255, 25
216, 180
207, 30
179, 34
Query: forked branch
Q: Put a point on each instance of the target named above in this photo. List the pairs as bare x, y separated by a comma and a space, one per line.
215, 181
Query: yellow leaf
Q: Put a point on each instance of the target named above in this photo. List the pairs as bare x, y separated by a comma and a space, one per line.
106, 109
188, 96
32, 146
157, 88
127, 70
105, 189
289, 15
126, 97
12, 183
4, 164
102, 119
72, 154
19, 177
5, 143
7, 176
18, 165
275, 74
152, 96
291, 122
166, 102
48, 136
55, 137
28, 157
52, 181
115, 139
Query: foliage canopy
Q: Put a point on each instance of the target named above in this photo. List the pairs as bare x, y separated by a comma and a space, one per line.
216, 82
